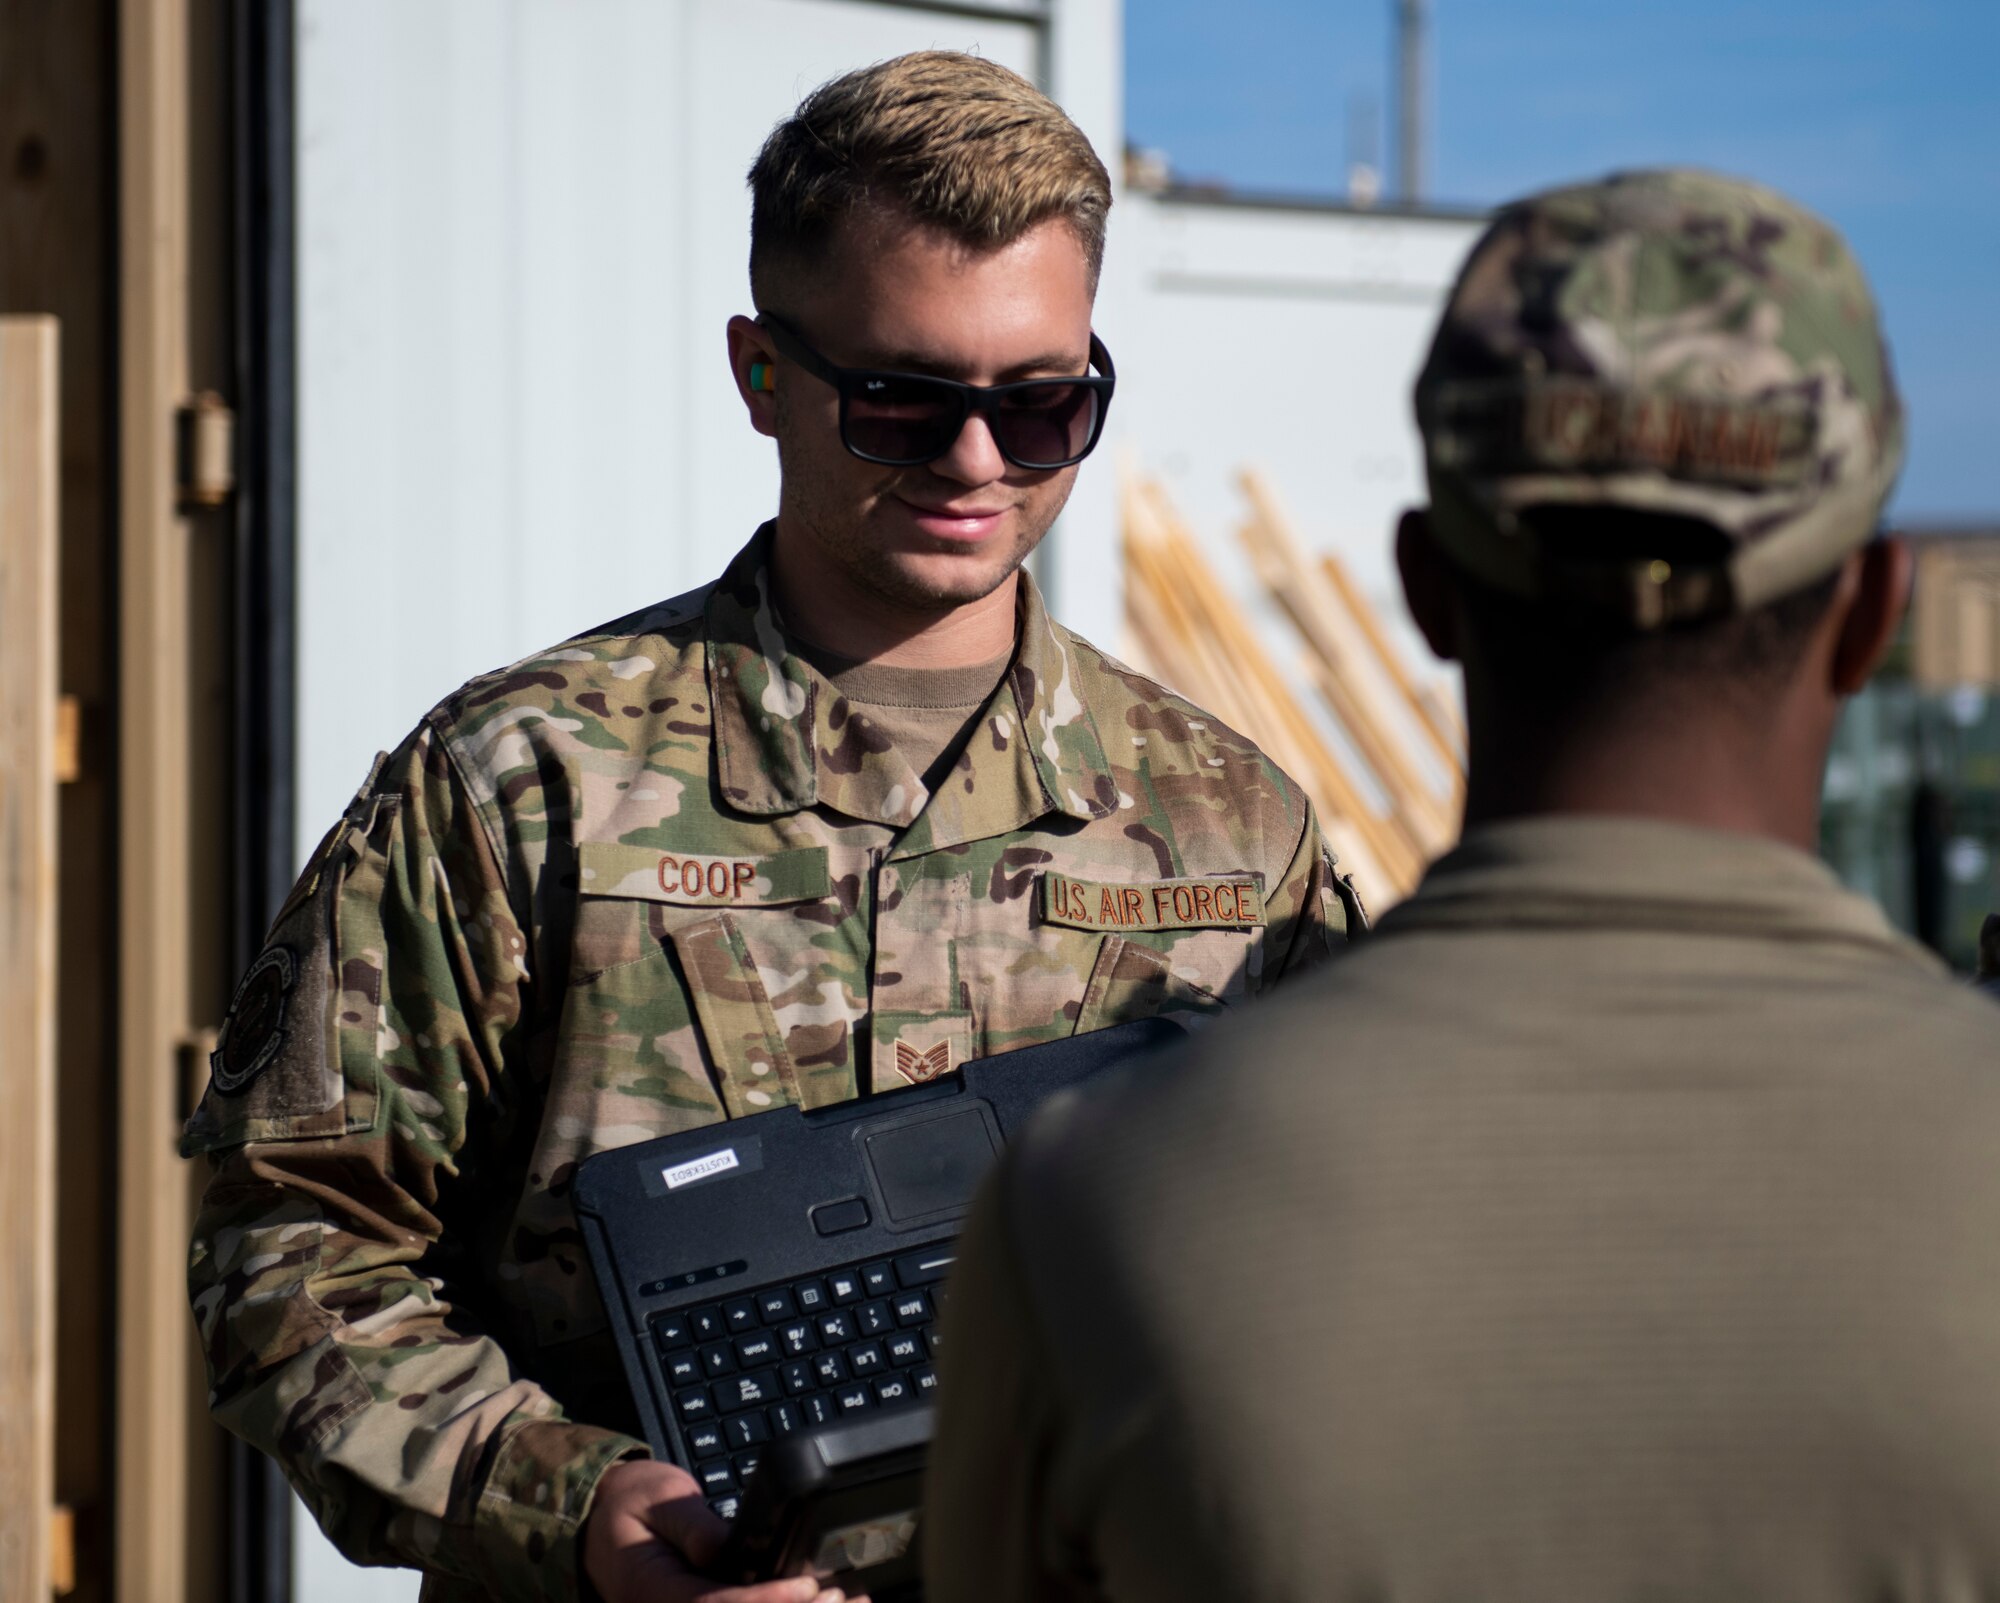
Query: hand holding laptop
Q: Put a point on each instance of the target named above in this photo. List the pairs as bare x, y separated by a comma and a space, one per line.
649, 1534
773, 1284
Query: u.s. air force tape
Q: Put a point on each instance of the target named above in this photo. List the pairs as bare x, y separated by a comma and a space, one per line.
1162, 904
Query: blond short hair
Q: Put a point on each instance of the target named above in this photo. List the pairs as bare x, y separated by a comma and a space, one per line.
947, 139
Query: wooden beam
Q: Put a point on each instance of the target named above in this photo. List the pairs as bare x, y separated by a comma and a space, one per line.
1955, 614
1434, 714
1193, 637
153, 1413
58, 200
1354, 682
29, 471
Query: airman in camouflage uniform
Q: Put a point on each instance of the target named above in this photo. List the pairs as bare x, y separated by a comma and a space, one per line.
654, 878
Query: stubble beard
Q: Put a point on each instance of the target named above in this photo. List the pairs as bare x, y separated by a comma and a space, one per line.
901, 579
843, 538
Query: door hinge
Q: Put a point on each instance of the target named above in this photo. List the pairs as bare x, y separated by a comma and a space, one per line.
62, 1550
69, 740
206, 440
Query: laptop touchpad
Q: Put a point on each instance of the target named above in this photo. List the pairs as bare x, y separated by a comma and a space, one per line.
934, 1166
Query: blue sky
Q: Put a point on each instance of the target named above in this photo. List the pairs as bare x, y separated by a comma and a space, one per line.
1885, 117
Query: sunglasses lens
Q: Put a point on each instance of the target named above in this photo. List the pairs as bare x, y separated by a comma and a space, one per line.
902, 419
906, 419
1046, 425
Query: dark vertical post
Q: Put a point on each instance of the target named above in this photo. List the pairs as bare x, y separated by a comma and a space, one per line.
260, 1502
1410, 42
1930, 829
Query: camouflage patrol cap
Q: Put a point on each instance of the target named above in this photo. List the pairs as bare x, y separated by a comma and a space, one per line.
1670, 342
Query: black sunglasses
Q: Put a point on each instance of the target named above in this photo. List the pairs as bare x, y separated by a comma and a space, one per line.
906, 419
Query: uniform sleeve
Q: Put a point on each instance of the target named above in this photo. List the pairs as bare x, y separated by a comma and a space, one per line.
368, 1051
1314, 911
989, 1531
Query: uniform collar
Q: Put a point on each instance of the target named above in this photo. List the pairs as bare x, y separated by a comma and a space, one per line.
1632, 873
784, 742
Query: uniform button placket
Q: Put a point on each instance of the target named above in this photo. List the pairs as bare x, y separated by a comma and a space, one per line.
888, 880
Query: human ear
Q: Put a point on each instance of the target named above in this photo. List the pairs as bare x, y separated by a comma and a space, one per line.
752, 362
1880, 591
1429, 584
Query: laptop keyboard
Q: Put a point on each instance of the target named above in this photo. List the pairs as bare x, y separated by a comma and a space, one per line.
798, 1355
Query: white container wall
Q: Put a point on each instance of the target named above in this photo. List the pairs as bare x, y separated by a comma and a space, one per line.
522, 228
1285, 338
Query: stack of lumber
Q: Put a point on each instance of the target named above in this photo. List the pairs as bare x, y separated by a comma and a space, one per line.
1325, 692
1955, 613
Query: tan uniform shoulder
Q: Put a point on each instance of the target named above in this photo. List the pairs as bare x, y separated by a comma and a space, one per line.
602, 700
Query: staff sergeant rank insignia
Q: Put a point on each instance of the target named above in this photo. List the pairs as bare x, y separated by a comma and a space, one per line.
1229, 903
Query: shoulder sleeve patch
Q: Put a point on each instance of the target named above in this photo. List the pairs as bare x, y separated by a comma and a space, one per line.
254, 1031
272, 1075
277, 1072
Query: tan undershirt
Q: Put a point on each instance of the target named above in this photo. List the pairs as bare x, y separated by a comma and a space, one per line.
925, 712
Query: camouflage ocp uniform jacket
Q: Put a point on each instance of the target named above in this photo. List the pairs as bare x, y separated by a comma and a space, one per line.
657, 877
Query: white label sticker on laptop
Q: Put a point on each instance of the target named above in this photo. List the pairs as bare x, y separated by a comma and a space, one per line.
685, 1174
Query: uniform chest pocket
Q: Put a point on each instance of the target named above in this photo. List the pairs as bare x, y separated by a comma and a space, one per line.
1134, 980
666, 1026
663, 981
1178, 948
631, 1060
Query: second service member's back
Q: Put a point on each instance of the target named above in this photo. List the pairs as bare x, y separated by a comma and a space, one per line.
1633, 1235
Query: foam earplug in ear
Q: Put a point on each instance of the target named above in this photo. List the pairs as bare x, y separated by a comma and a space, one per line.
761, 376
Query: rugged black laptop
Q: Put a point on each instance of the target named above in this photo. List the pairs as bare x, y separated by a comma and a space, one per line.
778, 1274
